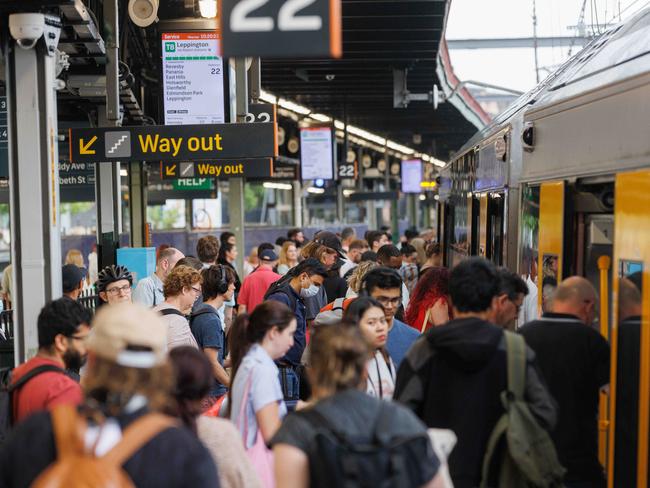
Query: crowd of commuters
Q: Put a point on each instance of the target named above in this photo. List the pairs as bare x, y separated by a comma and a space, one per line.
336, 334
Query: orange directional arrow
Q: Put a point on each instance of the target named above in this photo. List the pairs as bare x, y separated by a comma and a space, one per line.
85, 148
170, 170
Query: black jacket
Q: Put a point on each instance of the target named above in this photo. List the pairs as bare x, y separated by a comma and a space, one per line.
174, 458
574, 360
452, 378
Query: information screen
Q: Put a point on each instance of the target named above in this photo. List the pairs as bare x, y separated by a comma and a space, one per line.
316, 153
192, 78
411, 176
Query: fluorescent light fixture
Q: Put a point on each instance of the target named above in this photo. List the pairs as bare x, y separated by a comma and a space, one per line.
320, 117
277, 186
316, 191
289, 105
398, 147
366, 139
124, 172
267, 97
208, 8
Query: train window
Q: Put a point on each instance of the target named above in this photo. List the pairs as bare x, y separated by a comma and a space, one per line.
630, 294
529, 234
550, 279
459, 231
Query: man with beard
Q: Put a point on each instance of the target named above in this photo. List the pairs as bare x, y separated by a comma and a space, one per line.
42, 382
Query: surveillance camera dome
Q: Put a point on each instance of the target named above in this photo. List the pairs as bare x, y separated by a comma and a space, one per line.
143, 13
27, 28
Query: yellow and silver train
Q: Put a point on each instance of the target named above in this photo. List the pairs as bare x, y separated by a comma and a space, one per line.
559, 185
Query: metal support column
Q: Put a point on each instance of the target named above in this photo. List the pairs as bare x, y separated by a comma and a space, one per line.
34, 186
297, 204
138, 203
108, 193
236, 185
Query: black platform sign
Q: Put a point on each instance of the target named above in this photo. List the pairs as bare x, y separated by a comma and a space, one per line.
173, 142
247, 168
281, 28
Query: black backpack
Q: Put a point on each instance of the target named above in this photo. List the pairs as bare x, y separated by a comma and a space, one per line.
282, 286
337, 459
7, 390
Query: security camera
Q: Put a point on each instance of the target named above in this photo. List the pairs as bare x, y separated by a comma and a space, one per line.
27, 29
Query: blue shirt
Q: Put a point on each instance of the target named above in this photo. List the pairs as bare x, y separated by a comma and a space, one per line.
296, 304
400, 338
149, 291
208, 332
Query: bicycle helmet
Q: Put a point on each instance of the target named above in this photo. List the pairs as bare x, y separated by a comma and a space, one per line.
111, 274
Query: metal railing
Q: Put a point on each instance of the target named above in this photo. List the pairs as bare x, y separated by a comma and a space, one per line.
88, 299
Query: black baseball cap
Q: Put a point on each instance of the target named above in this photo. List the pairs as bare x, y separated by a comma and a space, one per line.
268, 255
331, 240
72, 275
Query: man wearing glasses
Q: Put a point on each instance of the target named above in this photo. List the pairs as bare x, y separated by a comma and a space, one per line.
385, 285
510, 297
114, 284
42, 382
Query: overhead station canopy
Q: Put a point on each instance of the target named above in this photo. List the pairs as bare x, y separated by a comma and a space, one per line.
381, 37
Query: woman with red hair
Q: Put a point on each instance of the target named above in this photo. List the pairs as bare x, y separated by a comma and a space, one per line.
430, 305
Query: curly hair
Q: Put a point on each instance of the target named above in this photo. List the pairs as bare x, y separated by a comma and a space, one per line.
356, 278
179, 278
433, 284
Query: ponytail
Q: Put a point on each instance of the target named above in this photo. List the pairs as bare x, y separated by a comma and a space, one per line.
238, 345
251, 329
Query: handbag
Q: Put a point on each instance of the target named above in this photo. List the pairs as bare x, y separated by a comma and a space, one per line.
260, 456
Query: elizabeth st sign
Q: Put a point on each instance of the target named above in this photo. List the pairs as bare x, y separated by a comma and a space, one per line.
175, 143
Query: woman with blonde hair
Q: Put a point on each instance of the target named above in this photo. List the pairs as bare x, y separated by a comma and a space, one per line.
181, 289
342, 409
356, 278
420, 246
75, 257
288, 257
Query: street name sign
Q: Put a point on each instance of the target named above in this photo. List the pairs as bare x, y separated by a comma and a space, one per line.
281, 28
173, 142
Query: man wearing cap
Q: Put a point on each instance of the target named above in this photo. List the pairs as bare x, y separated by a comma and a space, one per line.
335, 286
73, 280
257, 283
63, 328
127, 378
149, 291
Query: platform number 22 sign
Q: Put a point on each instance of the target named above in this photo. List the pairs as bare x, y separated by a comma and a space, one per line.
243, 20
281, 28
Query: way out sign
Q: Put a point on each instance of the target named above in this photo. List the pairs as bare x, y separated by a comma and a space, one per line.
173, 142
248, 168
281, 28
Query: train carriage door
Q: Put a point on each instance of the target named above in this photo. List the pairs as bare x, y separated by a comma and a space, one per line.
630, 338
483, 225
551, 238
